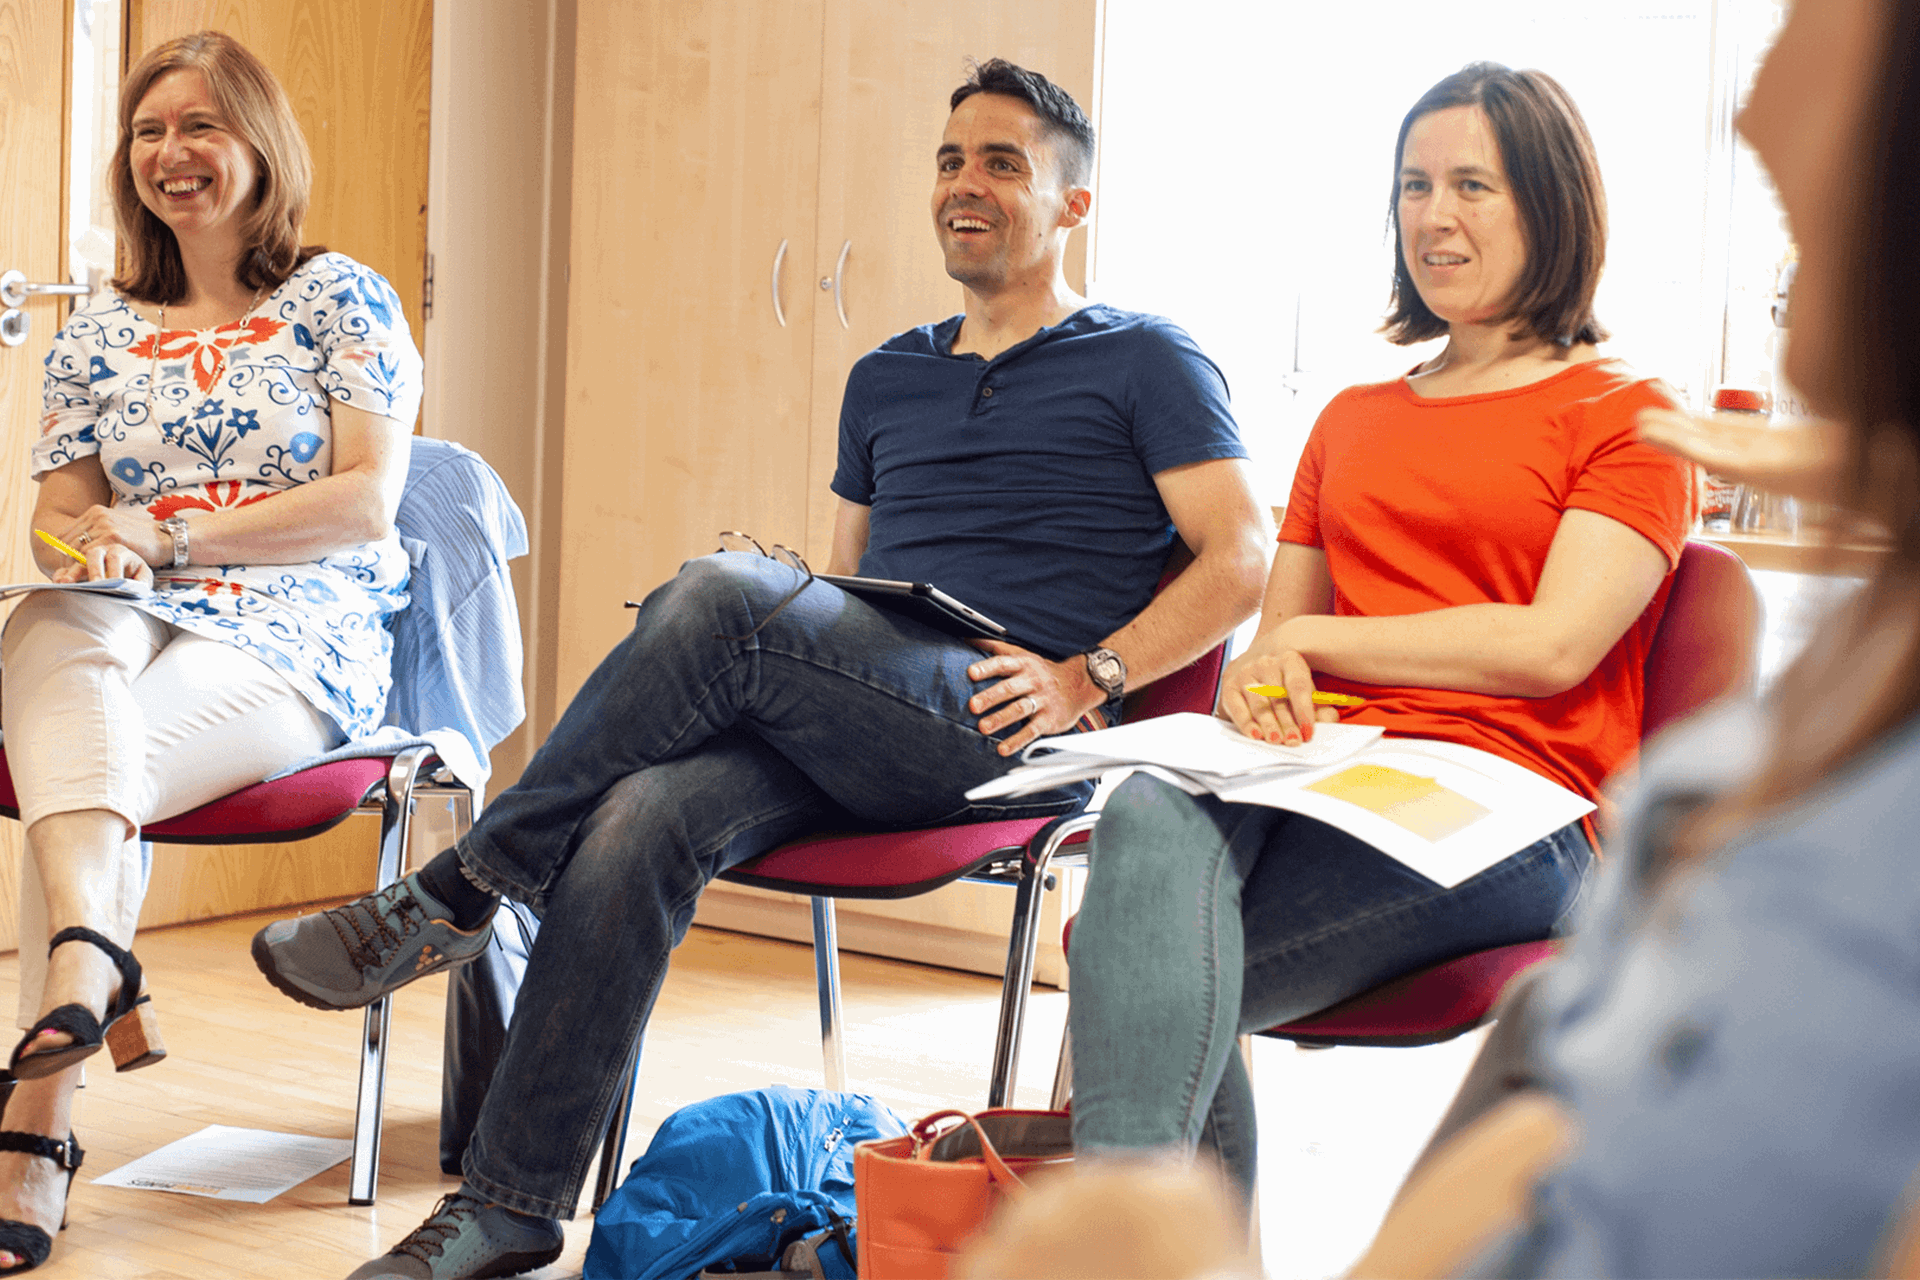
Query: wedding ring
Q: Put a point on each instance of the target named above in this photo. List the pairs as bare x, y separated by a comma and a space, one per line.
83, 540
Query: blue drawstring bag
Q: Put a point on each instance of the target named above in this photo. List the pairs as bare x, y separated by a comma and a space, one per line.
727, 1184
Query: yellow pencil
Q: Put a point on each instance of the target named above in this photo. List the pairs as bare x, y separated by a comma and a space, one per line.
59, 546
1319, 699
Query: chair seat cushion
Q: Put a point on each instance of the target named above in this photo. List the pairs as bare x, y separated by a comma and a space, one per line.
1427, 1007
884, 864
290, 808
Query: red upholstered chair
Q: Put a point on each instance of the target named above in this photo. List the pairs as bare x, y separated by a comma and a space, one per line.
303, 805
903, 864
455, 507
1703, 649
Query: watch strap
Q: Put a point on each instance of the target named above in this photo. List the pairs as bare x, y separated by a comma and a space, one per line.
177, 526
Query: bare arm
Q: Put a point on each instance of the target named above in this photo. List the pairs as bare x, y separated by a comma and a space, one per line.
1213, 508
353, 504
1598, 577
850, 524
1474, 1189
1807, 459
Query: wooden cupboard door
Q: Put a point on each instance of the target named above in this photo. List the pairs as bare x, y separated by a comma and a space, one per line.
33, 51
696, 156
358, 74
889, 69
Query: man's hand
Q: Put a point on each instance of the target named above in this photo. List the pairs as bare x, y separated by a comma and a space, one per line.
1049, 696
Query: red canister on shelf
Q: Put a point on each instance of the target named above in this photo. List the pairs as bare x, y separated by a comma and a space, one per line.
1719, 498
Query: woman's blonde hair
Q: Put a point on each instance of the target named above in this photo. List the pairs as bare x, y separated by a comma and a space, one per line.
255, 110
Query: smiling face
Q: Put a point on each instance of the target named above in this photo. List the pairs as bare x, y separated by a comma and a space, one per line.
1460, 229
1000, 205
1805, 118
189, 168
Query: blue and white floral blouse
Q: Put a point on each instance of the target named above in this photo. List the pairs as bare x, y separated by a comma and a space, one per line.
188, 421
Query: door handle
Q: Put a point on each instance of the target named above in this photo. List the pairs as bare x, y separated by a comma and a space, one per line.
779, 261
15, 289
839, 279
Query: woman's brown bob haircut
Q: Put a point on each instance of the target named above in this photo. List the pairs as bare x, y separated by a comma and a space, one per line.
1555, 180
256, 111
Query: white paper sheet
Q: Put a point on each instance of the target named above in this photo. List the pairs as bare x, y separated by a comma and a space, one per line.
1446, 811
1520, 806
1203, 750
224, 1163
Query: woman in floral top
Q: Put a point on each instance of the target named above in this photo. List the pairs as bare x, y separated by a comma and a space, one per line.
228, 426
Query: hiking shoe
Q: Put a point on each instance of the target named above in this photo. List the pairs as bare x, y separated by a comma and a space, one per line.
465, 1238
351, 956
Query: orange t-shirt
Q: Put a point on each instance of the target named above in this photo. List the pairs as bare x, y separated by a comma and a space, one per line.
1424, 504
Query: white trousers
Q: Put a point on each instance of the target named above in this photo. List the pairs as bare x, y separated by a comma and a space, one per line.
106, 707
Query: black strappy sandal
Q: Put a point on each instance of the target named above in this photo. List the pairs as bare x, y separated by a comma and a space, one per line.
23, 1240
131, 1030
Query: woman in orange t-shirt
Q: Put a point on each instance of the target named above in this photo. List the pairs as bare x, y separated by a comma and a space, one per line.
1482, 550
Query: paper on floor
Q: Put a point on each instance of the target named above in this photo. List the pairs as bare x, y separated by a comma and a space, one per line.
224, 1163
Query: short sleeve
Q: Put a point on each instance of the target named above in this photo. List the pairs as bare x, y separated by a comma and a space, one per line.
1178, 400
1302, 521
853, 469
69, 409
369, 360
1650, 492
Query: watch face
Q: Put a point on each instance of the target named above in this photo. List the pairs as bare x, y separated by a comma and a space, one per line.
1105, 668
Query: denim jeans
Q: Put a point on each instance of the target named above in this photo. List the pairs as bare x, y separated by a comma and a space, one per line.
1204, 920
692, 748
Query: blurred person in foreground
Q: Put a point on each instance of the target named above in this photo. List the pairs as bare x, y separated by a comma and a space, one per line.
1719, 1079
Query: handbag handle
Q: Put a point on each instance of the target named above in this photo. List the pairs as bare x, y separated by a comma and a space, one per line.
997, 1169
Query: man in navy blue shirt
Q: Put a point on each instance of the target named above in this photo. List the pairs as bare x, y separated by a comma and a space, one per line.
1033, 457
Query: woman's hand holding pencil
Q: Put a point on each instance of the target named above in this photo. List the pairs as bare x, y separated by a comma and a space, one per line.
1269, 696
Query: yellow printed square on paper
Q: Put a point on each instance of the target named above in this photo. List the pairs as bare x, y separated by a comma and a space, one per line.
1421, 805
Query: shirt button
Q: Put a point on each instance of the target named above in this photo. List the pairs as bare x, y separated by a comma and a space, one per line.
986, 393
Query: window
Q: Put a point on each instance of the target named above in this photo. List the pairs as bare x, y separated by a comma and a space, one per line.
1246, 170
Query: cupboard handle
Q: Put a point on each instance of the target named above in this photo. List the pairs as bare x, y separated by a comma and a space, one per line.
779, 261
840, 274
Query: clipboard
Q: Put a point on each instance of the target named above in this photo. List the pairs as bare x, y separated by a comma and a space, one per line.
120, 588
922, 601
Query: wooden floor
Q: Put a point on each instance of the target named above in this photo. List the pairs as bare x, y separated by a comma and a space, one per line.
1338, 1128
736, 1013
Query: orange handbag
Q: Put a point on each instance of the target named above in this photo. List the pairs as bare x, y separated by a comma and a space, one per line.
920, 1197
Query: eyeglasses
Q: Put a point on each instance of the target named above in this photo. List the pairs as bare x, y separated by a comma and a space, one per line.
746, 543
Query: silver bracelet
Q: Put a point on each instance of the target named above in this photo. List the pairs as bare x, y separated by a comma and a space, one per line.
177, 526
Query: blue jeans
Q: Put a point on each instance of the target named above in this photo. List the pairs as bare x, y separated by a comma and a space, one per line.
689, 751
1204, 920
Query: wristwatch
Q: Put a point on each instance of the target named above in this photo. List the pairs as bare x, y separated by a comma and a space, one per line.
1106, 669
177, 526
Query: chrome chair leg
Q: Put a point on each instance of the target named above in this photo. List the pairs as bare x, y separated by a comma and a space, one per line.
1062, 1073
395, 819
364, 1173
826, 977
1023, 941
614, 1144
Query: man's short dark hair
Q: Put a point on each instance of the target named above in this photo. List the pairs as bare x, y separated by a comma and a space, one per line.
1066, 126
1555, 180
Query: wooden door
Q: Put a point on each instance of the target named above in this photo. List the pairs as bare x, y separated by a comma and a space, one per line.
33, 53
889, 70
695, 158
358, 73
